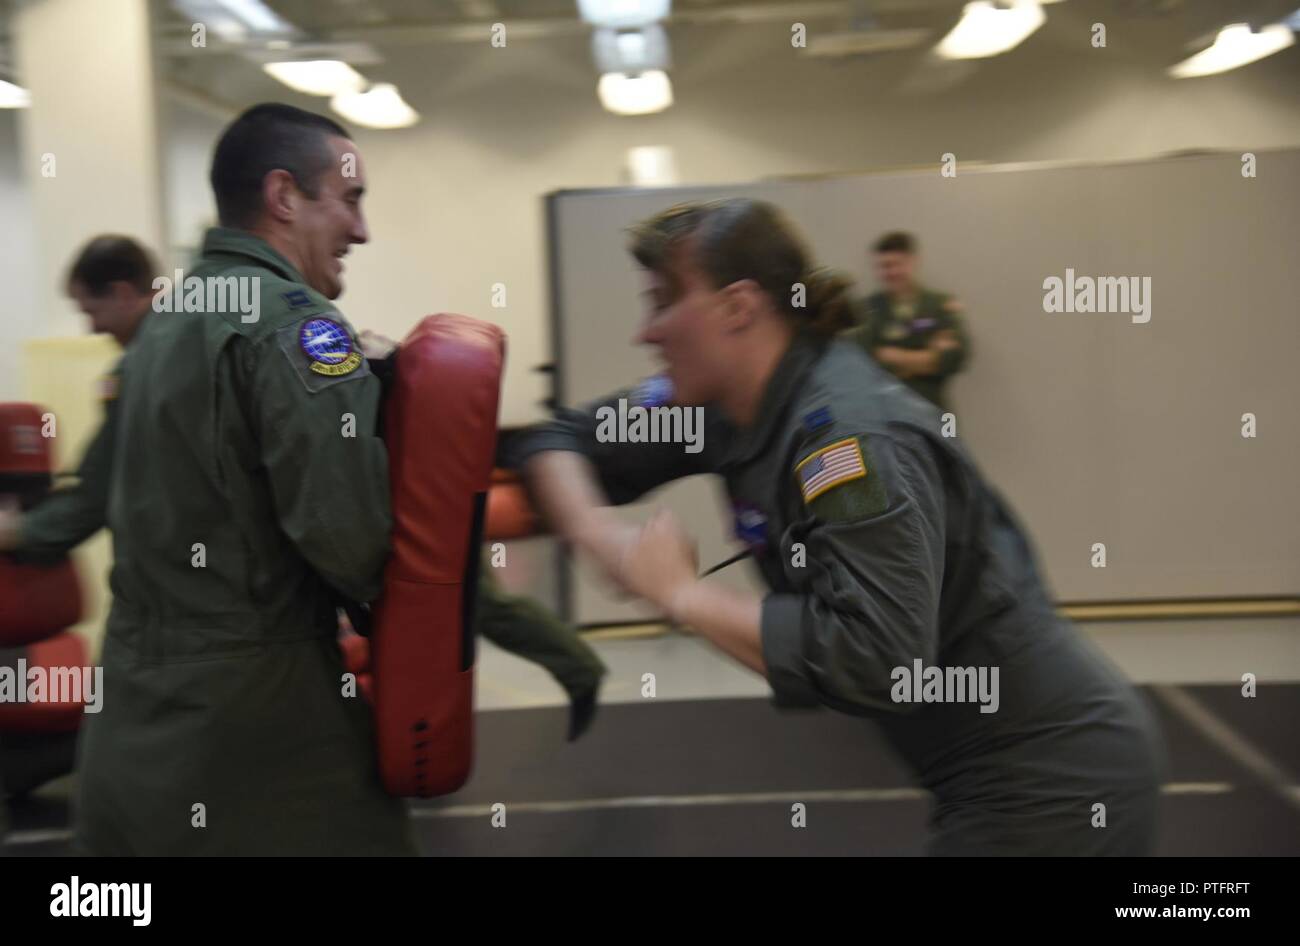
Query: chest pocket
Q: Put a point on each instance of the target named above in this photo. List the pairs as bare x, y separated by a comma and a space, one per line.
916, 332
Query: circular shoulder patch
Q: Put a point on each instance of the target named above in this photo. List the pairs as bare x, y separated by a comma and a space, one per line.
653, 392
328, 347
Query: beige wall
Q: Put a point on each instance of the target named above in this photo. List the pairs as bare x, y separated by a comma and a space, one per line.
456, 202
17, 283
89, 144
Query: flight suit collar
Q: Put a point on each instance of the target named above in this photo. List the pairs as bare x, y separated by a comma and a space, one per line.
780, 391
226, 241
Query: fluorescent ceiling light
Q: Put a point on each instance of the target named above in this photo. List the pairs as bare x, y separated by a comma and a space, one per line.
227, 27
234, 19
317, 76
294, 50
638, 94
1236, 45
623, 14
13, 96
650, 166
256, 15
630, 50
381, 106
987, 29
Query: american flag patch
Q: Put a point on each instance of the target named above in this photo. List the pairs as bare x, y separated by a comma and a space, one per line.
830, 466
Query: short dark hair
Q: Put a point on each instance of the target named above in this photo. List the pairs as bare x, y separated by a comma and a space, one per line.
896, 242
111, 258
268, 137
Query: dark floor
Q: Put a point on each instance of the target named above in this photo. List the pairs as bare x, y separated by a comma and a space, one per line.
689, 778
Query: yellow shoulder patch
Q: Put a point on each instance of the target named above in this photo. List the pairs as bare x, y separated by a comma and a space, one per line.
952, 305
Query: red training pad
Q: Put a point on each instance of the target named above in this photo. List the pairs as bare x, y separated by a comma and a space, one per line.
62, 650
440, 426
37, 601
22, 448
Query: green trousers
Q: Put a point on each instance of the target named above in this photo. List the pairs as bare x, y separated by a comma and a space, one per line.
526, 629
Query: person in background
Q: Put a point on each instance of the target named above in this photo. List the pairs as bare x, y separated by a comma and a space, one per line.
524, 628
915, 332
111, 281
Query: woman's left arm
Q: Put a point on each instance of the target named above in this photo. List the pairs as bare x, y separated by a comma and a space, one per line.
875, 554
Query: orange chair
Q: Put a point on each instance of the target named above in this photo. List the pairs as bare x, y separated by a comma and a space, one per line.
38, 602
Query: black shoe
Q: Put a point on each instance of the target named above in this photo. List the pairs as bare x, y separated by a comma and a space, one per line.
582, 710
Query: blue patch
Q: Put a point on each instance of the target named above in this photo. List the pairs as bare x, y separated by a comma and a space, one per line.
328, 346
653, 392
920, 325
751, 525
297, 299
815, 420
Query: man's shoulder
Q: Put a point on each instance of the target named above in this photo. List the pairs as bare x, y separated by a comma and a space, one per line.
875, 302
288, 304
281, 304
945, 303
237, 281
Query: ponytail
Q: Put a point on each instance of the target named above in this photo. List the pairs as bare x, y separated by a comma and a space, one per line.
827, 308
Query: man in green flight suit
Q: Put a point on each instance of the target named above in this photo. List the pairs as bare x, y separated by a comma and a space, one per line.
248, 493
74, 514
916, 333
111, 280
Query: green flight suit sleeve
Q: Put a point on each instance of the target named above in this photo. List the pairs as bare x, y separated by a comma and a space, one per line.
953, 360
626, 470
69, 516
865, 332
870, 600
328, 468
